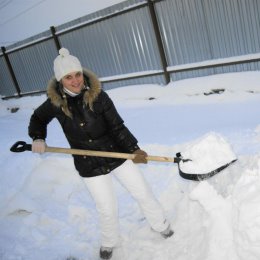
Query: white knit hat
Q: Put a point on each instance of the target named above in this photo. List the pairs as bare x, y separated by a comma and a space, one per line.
65, 64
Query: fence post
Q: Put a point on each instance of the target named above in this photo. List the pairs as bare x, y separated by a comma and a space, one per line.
159, 40
11, 71
55, 37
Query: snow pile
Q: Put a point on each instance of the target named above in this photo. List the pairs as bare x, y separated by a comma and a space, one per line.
46, 211
224, 88
218, 222
246, 217
232, 221
207, 154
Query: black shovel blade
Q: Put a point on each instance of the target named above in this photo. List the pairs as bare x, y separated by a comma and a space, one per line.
204, 176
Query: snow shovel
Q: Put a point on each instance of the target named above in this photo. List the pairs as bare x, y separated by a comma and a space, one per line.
22, 146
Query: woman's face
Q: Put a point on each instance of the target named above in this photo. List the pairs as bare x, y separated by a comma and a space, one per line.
73, 81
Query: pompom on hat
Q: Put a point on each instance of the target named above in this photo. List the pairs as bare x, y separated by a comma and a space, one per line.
65, 64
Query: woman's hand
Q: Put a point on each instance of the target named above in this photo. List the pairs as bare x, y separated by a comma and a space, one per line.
38, 146
140, 156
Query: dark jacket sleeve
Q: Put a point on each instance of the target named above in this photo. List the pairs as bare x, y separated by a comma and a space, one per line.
120, 133
40, 119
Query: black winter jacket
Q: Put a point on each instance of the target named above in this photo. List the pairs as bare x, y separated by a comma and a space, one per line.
89, 121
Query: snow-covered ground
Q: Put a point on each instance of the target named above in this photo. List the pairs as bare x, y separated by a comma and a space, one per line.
47, 213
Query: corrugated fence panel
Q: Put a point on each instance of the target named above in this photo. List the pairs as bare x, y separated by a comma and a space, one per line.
125, 5
233, 26
33, 65
7, 87
234, 29
184, 31
129, 82
121, 45
32, 39
120, 41
199, 30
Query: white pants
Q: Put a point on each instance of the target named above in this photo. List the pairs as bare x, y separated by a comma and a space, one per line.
102, 191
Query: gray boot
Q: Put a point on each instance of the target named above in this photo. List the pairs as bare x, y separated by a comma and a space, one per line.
168, 232
105, 252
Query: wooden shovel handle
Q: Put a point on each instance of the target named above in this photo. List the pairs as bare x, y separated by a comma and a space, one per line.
105, 154
21, 146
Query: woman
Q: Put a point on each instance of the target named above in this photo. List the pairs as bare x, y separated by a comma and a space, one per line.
90, 121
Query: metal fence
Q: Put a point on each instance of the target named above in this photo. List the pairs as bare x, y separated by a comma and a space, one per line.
140, 42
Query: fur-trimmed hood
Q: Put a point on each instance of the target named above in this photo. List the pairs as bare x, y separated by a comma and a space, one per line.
59, 100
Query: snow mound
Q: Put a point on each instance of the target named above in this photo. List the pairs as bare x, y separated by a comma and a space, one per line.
232, 222
246, 211
218, 223
207, 154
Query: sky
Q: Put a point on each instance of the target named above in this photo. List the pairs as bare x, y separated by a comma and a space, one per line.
20, 19
46, 211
